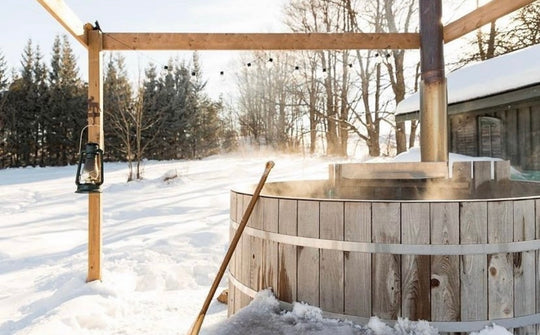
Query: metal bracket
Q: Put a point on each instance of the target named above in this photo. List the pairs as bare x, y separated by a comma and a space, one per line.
93, 110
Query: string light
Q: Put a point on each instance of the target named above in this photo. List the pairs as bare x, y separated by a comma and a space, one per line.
297, 75
324, 73
378, 59
270, 63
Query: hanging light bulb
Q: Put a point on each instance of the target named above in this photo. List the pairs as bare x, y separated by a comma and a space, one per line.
270, 63
378, 59
324, 73
297, 75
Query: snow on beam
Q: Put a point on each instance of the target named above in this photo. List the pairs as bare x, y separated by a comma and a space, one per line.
481, 16
259, 41
66, 17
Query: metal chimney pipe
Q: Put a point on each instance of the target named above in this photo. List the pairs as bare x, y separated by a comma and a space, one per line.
433, 93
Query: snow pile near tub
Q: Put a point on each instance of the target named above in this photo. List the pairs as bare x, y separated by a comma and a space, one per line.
264, 317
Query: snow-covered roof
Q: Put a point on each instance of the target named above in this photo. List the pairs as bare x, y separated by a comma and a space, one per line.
496, 75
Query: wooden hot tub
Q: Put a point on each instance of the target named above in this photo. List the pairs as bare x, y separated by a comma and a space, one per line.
461, 253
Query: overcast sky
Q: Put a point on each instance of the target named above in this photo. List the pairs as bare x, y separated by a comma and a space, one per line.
21, 20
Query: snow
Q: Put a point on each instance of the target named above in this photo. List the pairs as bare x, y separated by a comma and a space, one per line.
163, 240
496, 75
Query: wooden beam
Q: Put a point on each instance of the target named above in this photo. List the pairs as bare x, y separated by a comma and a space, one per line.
95, 135
66, 17
259, 41
481, 16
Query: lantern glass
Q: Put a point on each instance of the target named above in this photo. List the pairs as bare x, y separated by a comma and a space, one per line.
90, 169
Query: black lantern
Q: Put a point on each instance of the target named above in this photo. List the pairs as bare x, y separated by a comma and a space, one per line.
90, 176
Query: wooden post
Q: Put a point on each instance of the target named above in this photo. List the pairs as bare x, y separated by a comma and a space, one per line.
95, 134
433, 100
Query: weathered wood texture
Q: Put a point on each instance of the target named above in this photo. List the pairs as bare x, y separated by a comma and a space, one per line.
308, 258
468, 287
415, 277
260, 41
473, 273
232, 264
240, 297
537, 206
386, 268
524, 263
500, 266
445, 286
357, 265
270, 248
331, 277
287, 254
255, 250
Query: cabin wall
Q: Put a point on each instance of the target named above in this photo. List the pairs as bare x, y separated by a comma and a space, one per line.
511, 134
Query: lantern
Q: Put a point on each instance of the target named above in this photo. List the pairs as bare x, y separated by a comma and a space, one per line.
90, 169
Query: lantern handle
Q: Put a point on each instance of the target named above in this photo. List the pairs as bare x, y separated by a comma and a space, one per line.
82, 131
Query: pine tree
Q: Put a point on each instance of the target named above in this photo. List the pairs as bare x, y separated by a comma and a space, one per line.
67, 104
3, 115
3, 72
118, 114
203, 123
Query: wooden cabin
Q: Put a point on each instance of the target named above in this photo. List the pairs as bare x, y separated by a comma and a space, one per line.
493, 109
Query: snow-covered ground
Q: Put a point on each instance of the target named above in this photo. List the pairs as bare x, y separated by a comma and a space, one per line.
163, 242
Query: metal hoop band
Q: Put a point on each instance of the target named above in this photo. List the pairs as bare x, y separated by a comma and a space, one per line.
395, 249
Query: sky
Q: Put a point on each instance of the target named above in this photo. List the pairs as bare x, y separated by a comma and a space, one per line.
21, 20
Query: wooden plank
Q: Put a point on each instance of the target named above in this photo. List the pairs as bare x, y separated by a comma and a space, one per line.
415, 282
473, 230
357, 283
66, 17
502, 170
481, 16
308, 258
232, 206
401, 170
500, 266
481, 173
240, 208
232, 266
537, 206
245, 246
255, 251
95, 135
270, 248
445, 297
386, 269
260, 41
524, 263
287, 253
331, 269
462, 171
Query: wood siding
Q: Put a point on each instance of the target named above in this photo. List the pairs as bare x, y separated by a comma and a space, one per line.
517, 139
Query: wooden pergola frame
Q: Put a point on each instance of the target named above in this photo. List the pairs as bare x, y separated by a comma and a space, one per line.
96, 41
